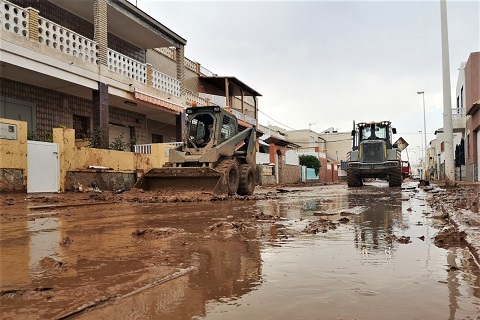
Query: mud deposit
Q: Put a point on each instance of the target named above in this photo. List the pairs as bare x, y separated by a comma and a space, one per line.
320, 252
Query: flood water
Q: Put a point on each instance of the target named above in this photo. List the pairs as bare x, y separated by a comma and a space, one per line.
272, 271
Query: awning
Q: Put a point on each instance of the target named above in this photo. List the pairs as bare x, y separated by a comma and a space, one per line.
237, 88
473, 109
282, 142
263, 143
159, 102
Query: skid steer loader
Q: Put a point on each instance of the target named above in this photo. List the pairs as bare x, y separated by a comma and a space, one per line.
214, 157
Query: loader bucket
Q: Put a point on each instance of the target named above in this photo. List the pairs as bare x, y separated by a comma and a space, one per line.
183, 179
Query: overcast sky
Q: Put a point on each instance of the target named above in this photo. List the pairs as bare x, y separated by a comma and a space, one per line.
327, 63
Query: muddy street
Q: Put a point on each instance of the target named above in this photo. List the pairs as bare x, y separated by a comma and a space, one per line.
315, 252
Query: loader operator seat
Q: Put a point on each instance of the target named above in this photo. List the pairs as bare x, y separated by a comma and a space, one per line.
201, 129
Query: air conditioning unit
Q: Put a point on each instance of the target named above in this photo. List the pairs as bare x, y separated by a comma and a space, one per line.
8, 131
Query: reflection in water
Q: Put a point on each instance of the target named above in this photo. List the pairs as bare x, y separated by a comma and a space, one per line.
45, 238
377, 225
224, 269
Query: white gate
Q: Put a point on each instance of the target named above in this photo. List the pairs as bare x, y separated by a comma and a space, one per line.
43, 167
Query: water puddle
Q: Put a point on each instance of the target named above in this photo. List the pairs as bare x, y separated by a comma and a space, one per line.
370, 256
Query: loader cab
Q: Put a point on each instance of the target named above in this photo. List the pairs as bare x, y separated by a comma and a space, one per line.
209, 126
376, 131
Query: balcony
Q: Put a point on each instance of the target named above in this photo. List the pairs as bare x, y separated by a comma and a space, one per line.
458, 119
25, 27
244, 117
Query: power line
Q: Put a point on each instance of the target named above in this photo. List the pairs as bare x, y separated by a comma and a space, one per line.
275, 120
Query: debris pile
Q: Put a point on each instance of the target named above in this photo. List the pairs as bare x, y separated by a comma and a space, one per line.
449, 236
321, 225
227, 229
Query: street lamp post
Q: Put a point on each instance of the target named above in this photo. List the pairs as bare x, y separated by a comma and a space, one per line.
424, 131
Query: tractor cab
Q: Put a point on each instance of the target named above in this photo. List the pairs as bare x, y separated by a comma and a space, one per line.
375, 131
208, 127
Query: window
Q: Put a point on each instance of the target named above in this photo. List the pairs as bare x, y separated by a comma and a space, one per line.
381, 132
157, 138
82, 126
468, 146
442, 147
461, 97
198, 132
228, 128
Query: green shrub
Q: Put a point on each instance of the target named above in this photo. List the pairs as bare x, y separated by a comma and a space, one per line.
310, 162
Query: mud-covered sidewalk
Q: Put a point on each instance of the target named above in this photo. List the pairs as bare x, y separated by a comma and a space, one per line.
458, 207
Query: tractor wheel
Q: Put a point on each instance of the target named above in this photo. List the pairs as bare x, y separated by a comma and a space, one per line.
247, 180
230, 171
353, 180
395, 178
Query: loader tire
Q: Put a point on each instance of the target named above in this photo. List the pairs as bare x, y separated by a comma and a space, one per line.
353, 180
247, 180
395, 178
230, 171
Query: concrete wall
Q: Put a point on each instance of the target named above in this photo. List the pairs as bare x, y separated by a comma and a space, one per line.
75, 162
265, 175
79, 159
472, 80
288, 173
322, 174
337, 144
13, 160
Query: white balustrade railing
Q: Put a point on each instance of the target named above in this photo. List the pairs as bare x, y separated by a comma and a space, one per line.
126, 66
214, 99
167, 52
166, 83
66, 41
244, 117
192, 97
190, 64
250, 120
458, 113
238, 114
13, 18
143, 148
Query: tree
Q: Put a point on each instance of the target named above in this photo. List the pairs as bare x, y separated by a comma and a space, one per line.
310, 162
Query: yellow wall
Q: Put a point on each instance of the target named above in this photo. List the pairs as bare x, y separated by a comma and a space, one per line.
14, 152
72, 158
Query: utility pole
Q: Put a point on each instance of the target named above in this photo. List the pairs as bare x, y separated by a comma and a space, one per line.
447, 99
